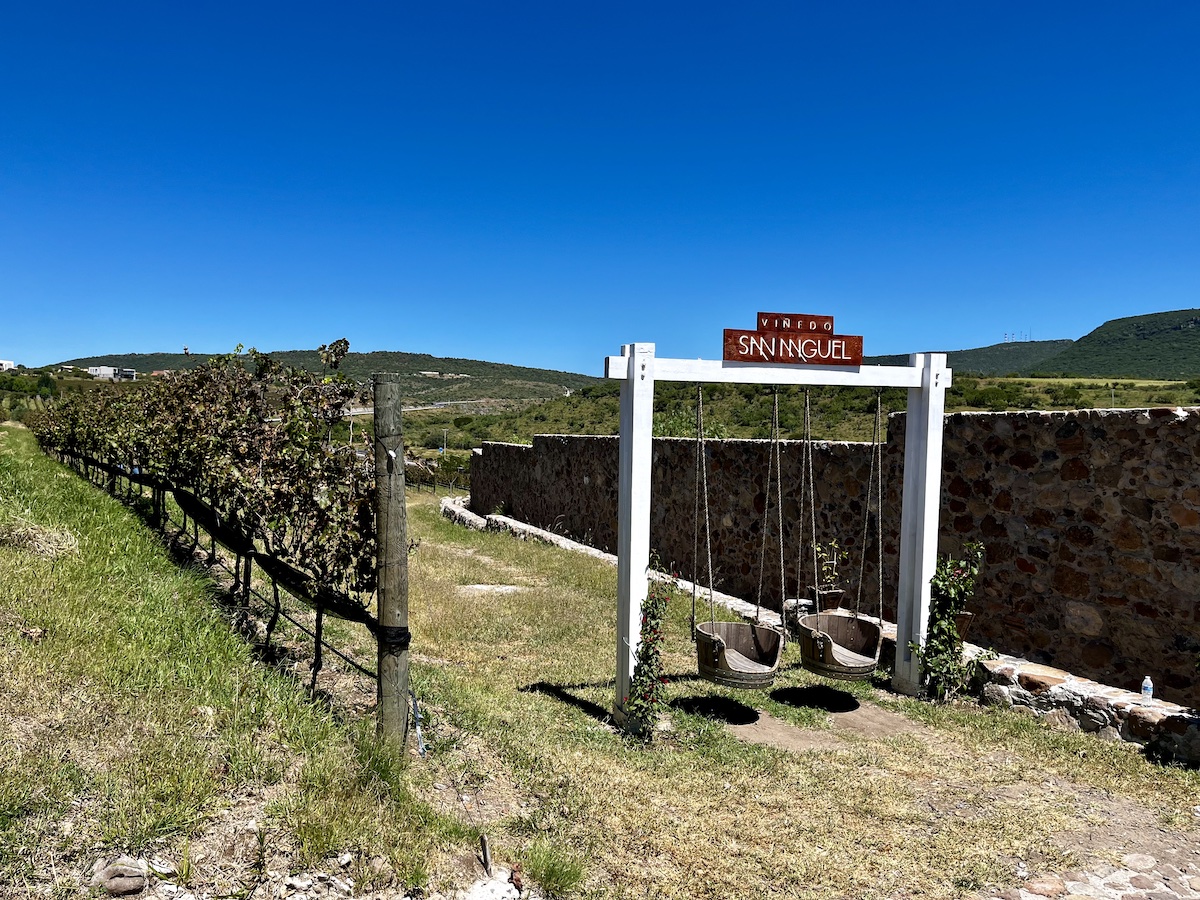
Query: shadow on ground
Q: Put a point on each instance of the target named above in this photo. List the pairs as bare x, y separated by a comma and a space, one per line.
816, 696
562, 693
718, 709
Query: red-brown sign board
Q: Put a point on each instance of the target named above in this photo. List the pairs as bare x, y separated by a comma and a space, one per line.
801, 322
797, 348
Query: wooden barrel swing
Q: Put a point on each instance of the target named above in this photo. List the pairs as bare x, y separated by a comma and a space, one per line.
738, 654
843, 644
742, 655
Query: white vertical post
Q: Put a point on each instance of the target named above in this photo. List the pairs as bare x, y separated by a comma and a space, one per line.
919, 513
633, 509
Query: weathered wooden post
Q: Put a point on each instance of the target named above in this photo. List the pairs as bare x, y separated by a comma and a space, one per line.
392, 634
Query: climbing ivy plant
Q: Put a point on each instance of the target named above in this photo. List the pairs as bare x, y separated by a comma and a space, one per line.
648, 684
944, 672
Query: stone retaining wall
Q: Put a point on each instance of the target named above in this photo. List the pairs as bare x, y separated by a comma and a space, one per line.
1091, 520
1166, 730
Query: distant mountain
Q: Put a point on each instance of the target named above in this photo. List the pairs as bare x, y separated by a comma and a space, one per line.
1016, 357
427, 378
1156, 346
1159, 345
1162, 345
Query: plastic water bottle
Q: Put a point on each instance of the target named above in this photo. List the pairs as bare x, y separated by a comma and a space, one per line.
1147, 688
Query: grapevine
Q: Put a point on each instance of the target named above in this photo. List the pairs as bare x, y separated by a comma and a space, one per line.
258, 444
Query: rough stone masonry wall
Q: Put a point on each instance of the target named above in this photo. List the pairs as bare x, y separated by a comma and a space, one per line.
568, 484
1091, 520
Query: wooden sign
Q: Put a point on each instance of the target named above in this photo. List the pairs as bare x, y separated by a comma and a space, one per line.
797, 348
797, 322
795, 338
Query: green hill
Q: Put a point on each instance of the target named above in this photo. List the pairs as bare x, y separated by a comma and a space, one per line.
428, 378
1162, 345
997, 359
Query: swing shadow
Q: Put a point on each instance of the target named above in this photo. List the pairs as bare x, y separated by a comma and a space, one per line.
717, 709
816, 696
562, 693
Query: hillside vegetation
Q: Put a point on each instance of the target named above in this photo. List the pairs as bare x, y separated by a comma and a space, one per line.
1131, 362
1159, 345
1008, 358
744, 411
446, 378
1164, 346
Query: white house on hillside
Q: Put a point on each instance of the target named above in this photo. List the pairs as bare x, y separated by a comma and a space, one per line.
6, 364
112, 373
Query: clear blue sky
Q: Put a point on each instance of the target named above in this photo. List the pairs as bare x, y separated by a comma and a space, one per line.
538, 183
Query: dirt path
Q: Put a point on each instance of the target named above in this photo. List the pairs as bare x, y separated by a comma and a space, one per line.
1123, 852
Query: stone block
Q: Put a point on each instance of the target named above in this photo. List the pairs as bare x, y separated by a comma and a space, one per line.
1075, 469
1183, 515
1181, 723
1092, 720
1080, 535
1002, 671
1083, 619
1097, 655
1038, 679
1142, 723
1138, 507
1071, 582
1023, 459
996, 695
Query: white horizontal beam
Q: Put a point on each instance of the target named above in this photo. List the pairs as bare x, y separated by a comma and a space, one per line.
715, 371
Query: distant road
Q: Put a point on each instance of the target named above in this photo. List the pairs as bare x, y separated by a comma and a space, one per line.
367, 411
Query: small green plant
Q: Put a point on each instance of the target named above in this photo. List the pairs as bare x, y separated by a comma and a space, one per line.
830, 559
945, 673
556, 871
647, 686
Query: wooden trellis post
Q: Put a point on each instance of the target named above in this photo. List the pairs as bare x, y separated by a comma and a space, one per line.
391, 634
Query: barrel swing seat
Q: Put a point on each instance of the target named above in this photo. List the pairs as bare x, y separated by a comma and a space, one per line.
738, 654
842, 644
836, 645
742, 655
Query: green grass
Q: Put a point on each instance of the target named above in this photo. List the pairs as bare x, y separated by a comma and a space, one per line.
138, 705
140, 719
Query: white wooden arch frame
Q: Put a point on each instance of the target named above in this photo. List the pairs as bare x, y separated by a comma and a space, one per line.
926, 378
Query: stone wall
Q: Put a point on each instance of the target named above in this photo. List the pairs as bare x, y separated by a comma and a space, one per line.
1092, 525
1091, 521
568, 484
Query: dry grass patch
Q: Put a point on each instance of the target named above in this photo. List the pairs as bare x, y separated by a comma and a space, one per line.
942, 805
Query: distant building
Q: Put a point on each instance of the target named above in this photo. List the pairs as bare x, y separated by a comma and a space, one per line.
7, 365
112, 373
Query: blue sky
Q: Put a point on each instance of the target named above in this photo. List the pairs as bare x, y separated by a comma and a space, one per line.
538, 183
